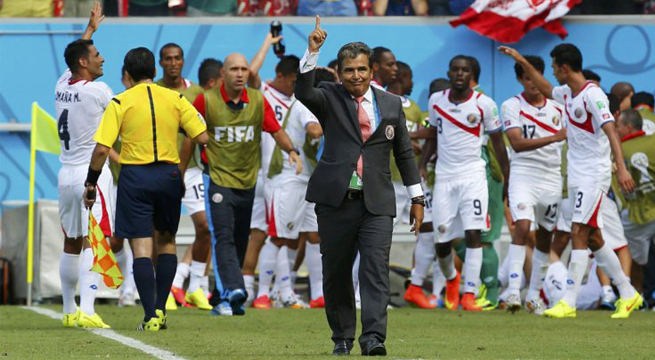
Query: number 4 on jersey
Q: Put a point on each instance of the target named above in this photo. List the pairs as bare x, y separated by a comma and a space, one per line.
62, 127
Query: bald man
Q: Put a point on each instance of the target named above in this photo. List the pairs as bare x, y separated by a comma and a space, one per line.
236, 117
623, 91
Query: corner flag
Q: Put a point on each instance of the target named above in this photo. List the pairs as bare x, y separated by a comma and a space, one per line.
104, 261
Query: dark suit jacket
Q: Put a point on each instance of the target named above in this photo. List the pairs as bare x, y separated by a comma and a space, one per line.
337, 112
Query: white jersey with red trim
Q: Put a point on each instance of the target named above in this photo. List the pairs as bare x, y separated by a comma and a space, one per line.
79, 105
588, 157
280, 104
534, 123
460, 128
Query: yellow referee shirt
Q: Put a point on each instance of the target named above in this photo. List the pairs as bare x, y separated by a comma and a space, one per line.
148, 117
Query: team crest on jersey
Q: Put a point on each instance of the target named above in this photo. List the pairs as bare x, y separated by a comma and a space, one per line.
556, 120
578, 112
442, 228
389, 132
290, 226
472, 118
521, 206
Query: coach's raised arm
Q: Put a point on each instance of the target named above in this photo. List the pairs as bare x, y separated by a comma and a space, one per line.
311, 97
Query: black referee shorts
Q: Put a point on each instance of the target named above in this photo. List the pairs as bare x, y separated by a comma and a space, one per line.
149, 196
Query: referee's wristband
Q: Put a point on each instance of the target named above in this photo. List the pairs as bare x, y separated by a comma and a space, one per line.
295, 150
92, 177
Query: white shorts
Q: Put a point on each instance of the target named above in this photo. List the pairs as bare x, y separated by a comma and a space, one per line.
612, 230
288, 212
258, 220
586, 203
460, 204
535, 203
194, 195
73, 214
427, 211
639, 238
403, 203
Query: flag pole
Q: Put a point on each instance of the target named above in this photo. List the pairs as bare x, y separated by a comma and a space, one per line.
30, 214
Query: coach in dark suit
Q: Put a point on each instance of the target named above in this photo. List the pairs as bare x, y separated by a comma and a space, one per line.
352, 189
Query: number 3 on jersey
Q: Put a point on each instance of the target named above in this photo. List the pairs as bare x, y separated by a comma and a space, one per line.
62, 128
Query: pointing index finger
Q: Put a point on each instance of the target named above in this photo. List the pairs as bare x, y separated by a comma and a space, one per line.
318, 21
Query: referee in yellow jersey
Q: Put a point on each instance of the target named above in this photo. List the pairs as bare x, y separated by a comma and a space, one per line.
148, 118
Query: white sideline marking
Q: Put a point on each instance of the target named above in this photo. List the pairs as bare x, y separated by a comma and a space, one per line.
111, 334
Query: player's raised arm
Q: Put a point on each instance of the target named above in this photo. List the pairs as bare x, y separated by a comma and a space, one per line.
94, 21
538, 79
254, 80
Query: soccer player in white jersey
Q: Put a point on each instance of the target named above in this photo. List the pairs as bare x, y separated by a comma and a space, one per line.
458, 117
591, 135
80, 103
278, 93
533, 125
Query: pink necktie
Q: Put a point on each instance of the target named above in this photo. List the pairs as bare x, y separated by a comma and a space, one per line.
365, 126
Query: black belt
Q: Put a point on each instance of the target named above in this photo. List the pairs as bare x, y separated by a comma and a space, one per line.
352, 194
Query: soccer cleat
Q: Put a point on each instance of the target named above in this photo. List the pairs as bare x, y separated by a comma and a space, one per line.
69, 319
452, 293
90, 321
485, 304
513, 303
561, 310
608, 301
198, 299
171, 305
468, 303
535, 306
263, 302
223, 309
163, 319
153, 324
318, 303
414, 295
179, 295
294, 302
625, 306
237, 299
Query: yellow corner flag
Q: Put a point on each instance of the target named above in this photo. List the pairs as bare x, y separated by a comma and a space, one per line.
44, 137
104, 261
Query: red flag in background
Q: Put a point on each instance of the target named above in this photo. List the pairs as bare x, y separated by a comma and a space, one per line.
508, 21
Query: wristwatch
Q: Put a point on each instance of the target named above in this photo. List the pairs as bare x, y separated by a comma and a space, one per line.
419, 200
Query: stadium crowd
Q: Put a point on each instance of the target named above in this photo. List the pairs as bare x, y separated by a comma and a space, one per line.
80, 8
245, 190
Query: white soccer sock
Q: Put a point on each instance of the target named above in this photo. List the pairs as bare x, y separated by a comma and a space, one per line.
293, 275
608, 292
503, 273
538, 274
423, 257
315, 267
473, 265
69, 272
282, 274
447, 266
609, 262
181, 274
267, 263
89, 281
128, 284
249, 282
516, 261
204, 284
291, 257
438, 281
577, 268
197, 272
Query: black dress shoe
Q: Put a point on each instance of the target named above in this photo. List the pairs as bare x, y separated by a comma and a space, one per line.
374, 348
342, 347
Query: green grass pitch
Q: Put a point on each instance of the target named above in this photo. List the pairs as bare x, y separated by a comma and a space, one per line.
304, 334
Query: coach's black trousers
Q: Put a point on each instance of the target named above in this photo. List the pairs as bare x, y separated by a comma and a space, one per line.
344, 231
229, 213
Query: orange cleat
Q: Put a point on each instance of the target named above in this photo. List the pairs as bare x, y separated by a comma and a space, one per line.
179, 295
262, 302
318, 303
468, 303
452, 293
414, 295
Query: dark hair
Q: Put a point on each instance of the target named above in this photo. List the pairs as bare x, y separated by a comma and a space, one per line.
615, 103
75, 51
140, 64
460, 57
475, 68
377, 54
643, 98
403, 68
288, 65
437, 85
536, 61
333, 64
209, 69
567, 54
632, 117
169, 45
351, 51
323, 75
590, 75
